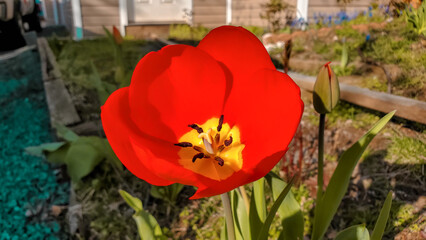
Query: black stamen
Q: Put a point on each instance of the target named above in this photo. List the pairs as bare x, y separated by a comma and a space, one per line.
198, 155
219, 161
228, 142
217, 138
183, 144
196, 127
198, 149
219, 126
220, 148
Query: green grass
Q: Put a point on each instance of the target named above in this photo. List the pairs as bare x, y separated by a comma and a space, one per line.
406, 150
344, 111
74, 59
186, 32
374, 83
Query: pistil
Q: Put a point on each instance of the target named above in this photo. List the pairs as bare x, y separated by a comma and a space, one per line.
207, 140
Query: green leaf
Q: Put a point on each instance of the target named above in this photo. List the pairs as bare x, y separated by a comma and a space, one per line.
168, 194
380, 226
127, 79
263, 234
133, 202
289, 211
259, 196
82, 157
98, 84
109, 35
339, 182
257, 213
241, 220
58, 156
110, 155
345, 57
65, 133
224, 233
147, 225
357, 232
46, 147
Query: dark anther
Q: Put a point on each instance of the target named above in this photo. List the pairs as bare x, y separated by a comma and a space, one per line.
196, 127
198, 155
217, 138
219, 161
183, 144
228, 142
220, 148
219, 126
198, 149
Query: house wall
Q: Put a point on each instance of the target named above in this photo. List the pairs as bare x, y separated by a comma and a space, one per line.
247, 12
49, 12
65, 14
328, 7
98, 13
209, 13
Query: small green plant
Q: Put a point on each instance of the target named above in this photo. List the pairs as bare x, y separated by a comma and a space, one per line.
168, 194
273, 12
416, 18
343, 69
80, 154
147, 225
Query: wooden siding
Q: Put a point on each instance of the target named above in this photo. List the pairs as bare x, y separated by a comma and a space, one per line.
99, 13
247, 12
209, 13
331, 7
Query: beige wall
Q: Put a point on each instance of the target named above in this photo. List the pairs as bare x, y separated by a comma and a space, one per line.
247, 12
209, 13
98, 13
332, 7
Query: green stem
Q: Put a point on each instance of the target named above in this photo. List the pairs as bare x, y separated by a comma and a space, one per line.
228, 216
320, 156
245, 198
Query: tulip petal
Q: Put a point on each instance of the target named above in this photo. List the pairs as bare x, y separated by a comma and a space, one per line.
240, 178
267, 109
118, 127
174, 87
238, 50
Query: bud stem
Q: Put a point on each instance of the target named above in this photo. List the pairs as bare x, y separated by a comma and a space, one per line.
228, 216
320, 156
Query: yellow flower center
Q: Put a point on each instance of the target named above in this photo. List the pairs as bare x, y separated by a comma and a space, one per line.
212, 149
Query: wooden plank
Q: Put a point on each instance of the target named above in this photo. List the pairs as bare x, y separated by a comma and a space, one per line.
99, 3
100, 21
100, 11
209, 11
209, 19
407, 108
334, 3
91, 31
211, 3
61, 108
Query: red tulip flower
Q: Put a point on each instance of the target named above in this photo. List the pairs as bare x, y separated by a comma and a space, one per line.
216, 116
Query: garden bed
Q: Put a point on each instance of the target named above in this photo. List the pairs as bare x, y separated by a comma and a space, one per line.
104, 215
376, 53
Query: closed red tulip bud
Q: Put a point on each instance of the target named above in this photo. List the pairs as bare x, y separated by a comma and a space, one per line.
326, 90
117, 35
